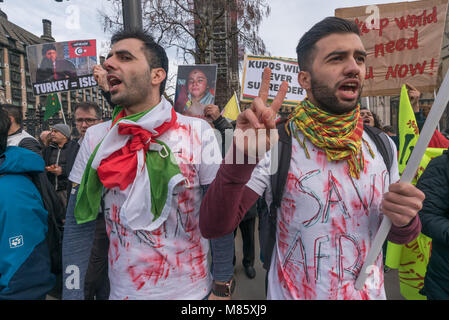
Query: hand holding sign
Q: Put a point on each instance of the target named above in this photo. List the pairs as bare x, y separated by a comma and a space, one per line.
212, 112
100, 76
413, 95
254, 124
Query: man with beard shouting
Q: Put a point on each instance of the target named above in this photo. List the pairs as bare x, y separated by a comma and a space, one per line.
338, 187
145, 171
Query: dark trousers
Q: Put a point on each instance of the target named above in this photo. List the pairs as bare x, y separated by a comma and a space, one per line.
247, 227
96, 282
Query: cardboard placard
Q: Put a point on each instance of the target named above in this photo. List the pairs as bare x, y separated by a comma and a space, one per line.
282, 69
403, 41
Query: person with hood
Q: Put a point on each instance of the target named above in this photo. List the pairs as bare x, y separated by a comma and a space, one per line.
25, 272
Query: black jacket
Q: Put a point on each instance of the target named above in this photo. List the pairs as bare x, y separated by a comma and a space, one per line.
221, 124
63, 69
434, 216
66, 159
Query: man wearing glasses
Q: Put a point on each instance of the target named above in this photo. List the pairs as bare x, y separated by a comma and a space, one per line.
96, 283
86, 115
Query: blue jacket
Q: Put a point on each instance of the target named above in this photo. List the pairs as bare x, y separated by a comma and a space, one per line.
24, 257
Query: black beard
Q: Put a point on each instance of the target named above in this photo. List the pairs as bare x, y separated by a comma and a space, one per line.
327, 100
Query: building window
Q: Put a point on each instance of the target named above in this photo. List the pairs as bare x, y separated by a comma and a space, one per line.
31, 98
14, 60
28, 83
15, 77
16, 93
16, 102
11, 42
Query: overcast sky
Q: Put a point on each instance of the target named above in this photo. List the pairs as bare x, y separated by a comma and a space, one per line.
79, 19
290, 19
71, 20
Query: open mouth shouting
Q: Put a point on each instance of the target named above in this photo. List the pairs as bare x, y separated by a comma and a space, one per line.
367, 121
114, 82
349, 89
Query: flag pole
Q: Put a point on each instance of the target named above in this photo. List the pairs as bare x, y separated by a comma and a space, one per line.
237, 100
434, 98
432, 120
62, 109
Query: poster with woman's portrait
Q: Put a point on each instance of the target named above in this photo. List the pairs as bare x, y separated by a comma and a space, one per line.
195, 88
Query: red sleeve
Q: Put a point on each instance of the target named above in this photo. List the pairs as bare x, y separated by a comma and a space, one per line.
403, 235
227, 200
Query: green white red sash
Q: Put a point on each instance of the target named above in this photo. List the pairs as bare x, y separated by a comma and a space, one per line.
130, 157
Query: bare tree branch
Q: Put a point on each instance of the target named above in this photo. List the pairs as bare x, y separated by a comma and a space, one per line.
189, 24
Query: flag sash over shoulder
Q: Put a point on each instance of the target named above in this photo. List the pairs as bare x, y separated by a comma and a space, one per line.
150, 193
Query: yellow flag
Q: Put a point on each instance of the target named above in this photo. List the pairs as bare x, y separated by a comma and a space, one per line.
410, 259
413, 266
397, 252
408, 129
415, 255
428, 155
231, 110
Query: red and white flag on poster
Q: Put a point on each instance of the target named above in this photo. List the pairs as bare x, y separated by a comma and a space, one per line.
82, 48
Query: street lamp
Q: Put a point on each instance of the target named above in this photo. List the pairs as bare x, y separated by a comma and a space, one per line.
132, 14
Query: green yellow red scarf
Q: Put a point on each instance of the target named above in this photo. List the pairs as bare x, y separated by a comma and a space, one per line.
340, 136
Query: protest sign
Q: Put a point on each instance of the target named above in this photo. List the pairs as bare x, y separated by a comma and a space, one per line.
282, 69
403, 42
195, 88
62, 66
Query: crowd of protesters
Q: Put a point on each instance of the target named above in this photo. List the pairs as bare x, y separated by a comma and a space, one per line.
142, 211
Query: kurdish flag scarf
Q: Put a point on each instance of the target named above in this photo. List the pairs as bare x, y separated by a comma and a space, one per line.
340, 136
130, 157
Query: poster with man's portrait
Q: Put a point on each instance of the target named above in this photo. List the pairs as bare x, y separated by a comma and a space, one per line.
62, 66
195, 88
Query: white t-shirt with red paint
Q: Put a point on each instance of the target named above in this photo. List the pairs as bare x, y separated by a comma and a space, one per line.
170, 262
326, 225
